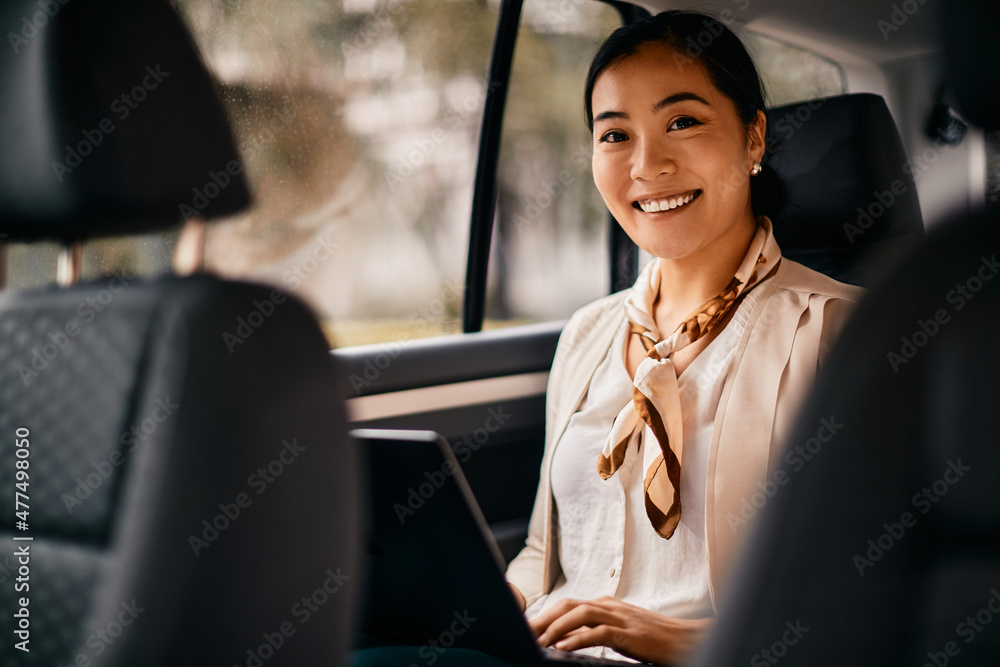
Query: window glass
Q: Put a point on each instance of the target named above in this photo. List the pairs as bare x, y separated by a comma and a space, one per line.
358, 122
992, 167
34, 265
31, 265
792, 74
550, 247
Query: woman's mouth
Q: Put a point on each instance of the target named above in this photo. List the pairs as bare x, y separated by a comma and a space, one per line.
666, 203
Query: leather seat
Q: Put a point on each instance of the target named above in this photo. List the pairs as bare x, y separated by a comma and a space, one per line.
881, 545
191, 491
837, 187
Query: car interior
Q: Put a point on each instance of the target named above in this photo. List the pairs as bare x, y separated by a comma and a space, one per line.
158, 418
129, 552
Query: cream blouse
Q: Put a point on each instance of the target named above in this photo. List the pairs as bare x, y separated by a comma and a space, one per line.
608, 545
780, 331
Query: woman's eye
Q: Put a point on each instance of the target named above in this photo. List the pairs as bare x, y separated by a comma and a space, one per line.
683, 123
613, 137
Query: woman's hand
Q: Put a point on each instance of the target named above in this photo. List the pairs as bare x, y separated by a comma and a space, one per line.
630, 630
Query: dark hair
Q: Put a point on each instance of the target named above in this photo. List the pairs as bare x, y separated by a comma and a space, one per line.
695, 38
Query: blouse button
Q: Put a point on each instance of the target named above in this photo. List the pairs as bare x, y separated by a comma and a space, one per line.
612, 572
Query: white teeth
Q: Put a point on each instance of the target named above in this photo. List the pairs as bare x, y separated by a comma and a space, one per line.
665, 204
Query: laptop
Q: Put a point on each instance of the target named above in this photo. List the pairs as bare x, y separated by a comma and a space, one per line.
435, 573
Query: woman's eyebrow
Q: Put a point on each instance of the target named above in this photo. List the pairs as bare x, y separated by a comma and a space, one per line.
606, 115
659, 106
678, 97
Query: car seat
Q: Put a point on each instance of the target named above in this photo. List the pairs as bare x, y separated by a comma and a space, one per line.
881, 544
178, 485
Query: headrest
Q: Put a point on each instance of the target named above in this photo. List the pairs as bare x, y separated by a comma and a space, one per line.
972, 53
837, 183
110, 123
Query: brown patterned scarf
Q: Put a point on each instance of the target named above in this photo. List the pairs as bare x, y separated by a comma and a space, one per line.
655, 399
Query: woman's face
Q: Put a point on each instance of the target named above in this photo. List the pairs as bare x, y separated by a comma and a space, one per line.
671, 157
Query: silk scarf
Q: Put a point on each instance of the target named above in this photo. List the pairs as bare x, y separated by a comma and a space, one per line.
655, 400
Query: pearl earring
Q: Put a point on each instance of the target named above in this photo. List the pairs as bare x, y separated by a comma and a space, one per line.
755, 170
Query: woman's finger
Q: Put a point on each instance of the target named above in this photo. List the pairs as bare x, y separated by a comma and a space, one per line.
542, 621
602, 635
587, 614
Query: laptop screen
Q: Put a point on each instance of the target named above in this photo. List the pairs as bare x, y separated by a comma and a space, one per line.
435, 575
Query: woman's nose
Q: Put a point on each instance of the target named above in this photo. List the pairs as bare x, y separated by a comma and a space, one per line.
650, 160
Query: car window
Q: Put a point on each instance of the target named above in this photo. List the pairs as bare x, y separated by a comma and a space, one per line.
792, 74
550, 246
34, 265
358, 122
992, 167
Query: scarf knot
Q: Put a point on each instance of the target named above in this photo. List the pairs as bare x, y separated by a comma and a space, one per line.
655, 398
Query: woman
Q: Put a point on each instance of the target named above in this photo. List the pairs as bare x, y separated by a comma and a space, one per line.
666, 401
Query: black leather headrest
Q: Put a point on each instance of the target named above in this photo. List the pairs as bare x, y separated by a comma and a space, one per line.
971, 31
109, 122
837, 183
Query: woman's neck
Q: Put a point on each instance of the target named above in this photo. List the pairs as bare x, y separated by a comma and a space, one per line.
688, 282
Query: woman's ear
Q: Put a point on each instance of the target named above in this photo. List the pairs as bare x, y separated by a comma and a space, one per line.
756, 133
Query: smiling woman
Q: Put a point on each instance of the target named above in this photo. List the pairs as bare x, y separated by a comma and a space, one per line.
669, 395
675, 169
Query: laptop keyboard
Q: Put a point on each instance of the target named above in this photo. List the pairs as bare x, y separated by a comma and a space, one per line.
569, 657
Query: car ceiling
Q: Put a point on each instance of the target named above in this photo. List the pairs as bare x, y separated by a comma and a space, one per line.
848, 30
